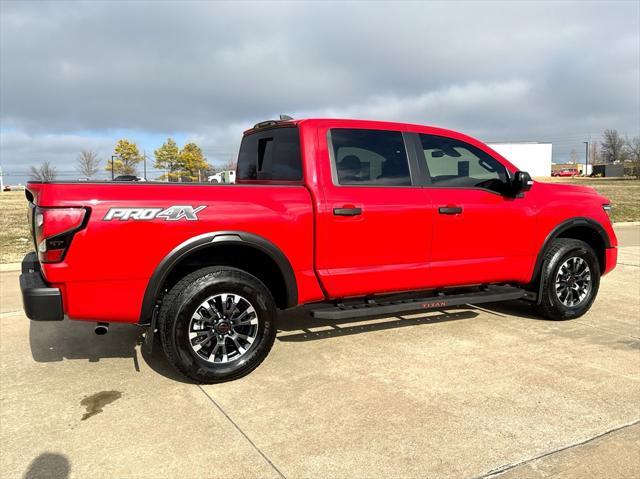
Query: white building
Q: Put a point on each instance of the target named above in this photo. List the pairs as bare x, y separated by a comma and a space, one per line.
534, 158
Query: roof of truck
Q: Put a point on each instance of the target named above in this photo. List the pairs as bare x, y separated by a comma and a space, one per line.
346, 122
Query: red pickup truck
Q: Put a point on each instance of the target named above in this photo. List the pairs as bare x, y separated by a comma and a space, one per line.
363, 218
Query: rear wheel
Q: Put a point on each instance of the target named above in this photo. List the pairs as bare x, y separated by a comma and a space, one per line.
217, 324
570, 279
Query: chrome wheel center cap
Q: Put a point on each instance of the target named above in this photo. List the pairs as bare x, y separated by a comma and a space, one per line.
223, 327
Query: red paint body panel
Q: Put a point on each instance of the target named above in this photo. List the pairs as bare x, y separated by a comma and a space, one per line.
109, 263
398, 243
611, 259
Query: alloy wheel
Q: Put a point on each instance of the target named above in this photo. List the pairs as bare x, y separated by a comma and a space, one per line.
573, 281
223, 328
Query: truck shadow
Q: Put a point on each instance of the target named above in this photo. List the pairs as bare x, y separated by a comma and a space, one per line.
519, 309
58, 340
76, 340
298, 326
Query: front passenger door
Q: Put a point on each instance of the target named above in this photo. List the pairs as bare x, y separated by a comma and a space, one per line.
481, 233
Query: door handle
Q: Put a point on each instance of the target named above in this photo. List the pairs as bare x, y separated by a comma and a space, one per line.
347, 211
450, 210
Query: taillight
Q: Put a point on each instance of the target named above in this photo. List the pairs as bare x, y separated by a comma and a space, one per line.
54, 230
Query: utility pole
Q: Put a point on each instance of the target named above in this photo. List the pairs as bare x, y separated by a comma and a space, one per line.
1, 180
586, 156
112, 157
144, 153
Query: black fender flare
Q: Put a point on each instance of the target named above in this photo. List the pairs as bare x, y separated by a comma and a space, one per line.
561, 228
208, 240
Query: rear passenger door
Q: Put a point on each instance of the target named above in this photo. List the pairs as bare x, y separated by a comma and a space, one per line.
481, 232
374, 222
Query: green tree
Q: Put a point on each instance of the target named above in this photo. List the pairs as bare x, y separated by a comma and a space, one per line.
613, 147
128, 158
193, 164
168, 159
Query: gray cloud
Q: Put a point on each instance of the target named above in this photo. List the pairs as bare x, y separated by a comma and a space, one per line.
504, 70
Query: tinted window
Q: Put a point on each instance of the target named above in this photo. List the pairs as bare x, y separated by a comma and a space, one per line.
370, 157
458, 164
270, 155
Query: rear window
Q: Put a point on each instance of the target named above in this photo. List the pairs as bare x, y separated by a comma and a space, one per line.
370, 157
272, 154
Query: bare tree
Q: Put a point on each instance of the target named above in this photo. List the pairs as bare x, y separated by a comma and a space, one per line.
230, 165
594, 154
633, 145
88, 163
613, 147
574, 156
44, 172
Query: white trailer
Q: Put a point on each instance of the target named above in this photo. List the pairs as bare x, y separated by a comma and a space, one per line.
534, 158
226, 176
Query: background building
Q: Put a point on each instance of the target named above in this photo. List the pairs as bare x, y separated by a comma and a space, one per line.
534, 158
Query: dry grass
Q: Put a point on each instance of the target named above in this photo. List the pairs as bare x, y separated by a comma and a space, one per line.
15, 241
623, 193
14, 230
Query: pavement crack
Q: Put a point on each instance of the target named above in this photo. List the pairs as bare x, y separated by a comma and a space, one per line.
264, 456
614, 333
507, 467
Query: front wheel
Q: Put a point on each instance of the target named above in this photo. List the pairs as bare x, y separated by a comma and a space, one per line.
570, 279
217, 324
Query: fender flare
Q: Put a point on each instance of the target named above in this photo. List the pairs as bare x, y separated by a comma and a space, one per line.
208, 240
562, 227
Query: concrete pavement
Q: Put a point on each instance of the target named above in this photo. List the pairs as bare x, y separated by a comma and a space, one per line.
467, 392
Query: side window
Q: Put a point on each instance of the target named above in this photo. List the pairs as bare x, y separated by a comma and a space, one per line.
370, 157
455, 163
271, 155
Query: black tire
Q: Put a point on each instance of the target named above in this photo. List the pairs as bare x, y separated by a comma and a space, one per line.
182, 301
559, 251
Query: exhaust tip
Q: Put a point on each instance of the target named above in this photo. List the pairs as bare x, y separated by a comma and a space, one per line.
101, 329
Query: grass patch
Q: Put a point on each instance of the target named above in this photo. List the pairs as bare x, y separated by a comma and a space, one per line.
623, 193
15, 241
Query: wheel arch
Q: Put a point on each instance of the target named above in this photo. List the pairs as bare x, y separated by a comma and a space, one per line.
584, 229
223, 246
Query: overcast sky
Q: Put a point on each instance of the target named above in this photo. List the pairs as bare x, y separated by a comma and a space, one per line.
77, 75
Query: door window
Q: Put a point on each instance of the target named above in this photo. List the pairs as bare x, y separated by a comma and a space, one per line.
369, 157
454, 163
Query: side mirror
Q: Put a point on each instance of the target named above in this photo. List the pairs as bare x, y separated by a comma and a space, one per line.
522, 182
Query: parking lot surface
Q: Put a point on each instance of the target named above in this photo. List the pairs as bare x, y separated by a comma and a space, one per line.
467, 392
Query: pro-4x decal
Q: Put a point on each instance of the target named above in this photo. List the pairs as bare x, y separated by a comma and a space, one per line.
172, 213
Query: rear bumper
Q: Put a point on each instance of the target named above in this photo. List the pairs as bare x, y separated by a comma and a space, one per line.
40, 302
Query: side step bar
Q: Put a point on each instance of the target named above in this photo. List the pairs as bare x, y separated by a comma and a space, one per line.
490, 294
